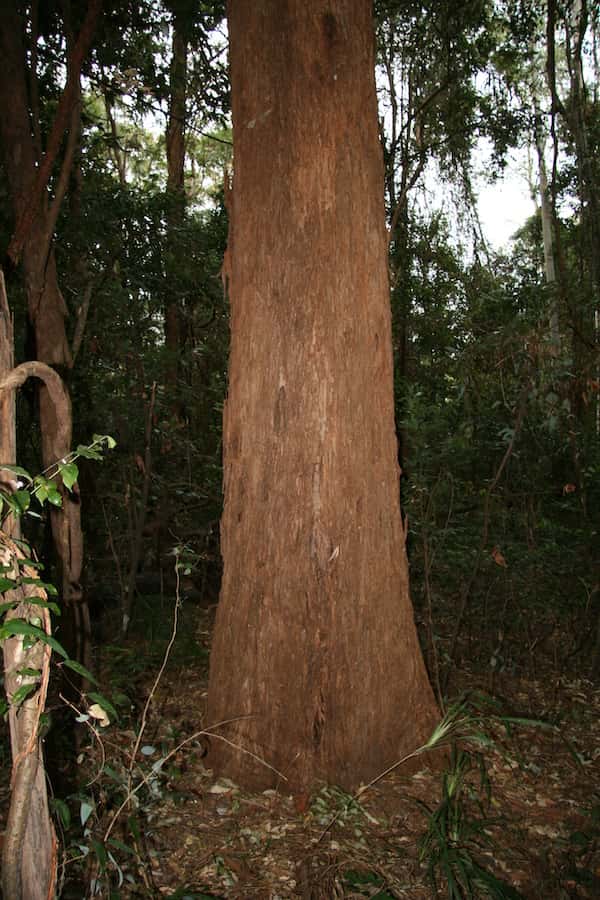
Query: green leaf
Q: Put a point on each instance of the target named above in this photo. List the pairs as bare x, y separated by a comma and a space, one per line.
18, 470
41, 493
20, 626
100, 851
104, 703
104, 439
45, 604
69, 474
81, 670
134, 827
119, 845
12, 503
7, 584
32, 563
63, 812
54, 497
527, 723
88, 453
54, 644
49, 588
30, 673
22, 693
23, 498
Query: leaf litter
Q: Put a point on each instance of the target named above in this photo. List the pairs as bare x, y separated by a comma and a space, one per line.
202, 837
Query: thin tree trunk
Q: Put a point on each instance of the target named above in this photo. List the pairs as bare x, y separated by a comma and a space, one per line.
29, 846
32, 242
315, 642
547, 230
176, 207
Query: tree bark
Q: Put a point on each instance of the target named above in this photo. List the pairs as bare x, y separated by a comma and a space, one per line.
315, 642
29, 846
548, 226
176, 208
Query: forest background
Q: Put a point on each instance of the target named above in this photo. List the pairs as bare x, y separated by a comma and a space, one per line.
497, 373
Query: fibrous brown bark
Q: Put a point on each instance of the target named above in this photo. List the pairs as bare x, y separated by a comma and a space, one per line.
315, 641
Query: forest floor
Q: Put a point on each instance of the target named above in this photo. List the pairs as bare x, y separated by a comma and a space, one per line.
530, 819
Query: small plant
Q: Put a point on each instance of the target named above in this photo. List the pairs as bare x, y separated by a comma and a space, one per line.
43, 487
457, 836
366, 884
20, 571
28, 642
345, 807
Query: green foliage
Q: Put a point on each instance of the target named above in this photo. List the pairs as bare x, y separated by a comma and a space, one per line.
454, 837
104, 823
365, 884
477, 379
44, 489
457, 845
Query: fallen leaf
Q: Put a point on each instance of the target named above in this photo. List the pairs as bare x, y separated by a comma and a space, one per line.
499, 558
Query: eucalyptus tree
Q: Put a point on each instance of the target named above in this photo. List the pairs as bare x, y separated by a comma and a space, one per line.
315, 660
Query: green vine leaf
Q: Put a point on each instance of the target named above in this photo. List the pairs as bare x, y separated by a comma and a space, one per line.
7, 584
45, 604
41, 493
30, 673
20, 472
22, 693
62, 811
21, 627
53, 496
22, 499
105, 439
49, 588
4, 607
88, 452
69, 474
81, 670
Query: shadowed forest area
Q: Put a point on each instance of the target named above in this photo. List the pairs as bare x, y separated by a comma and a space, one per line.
300, 466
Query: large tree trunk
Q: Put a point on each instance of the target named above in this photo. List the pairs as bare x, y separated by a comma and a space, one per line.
315, 640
